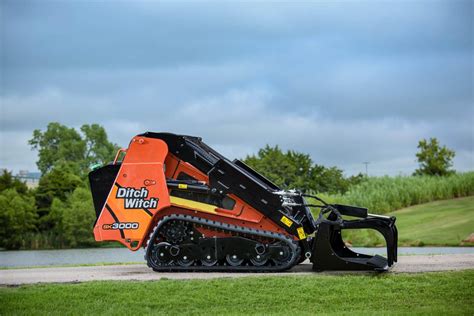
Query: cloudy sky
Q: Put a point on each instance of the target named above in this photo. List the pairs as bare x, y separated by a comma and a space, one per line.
346, 82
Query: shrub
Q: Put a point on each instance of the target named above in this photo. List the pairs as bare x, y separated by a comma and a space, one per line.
76, 217
17, 218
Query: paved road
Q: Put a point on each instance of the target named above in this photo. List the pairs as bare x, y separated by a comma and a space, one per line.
408, 264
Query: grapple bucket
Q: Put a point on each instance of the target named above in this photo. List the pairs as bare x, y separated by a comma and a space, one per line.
331, 253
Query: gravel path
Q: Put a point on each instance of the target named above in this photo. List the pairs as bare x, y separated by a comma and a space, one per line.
406, 264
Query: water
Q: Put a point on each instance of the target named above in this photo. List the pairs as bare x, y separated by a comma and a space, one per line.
24, 258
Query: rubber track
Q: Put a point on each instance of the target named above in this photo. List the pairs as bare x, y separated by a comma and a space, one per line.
295, 249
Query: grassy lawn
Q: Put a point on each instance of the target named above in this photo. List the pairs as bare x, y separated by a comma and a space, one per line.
441, 223
428, 293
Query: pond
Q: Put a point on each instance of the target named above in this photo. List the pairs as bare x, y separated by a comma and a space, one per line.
24, 258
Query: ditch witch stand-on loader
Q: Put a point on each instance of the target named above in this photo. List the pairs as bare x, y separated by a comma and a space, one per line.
194, 210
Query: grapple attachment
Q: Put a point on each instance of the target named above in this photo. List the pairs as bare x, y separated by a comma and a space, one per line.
331, 253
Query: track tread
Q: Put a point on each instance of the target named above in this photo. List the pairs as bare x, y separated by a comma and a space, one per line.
228, 227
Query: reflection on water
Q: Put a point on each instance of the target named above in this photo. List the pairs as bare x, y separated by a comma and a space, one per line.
24, 258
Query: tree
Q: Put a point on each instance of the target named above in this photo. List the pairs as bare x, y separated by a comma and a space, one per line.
60, 144
98, 148
7, 181
433, 159
287, 170
356, 179
65, 156
57, 183
329, 180
76, 217
17, 218
296, 170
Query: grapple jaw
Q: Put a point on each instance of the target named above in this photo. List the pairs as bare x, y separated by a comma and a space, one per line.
331, 253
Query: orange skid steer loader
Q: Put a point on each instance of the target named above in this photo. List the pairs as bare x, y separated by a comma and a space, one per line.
192, 209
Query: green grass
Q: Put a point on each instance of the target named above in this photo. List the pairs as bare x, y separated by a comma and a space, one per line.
437, 223
428, 293
441, 223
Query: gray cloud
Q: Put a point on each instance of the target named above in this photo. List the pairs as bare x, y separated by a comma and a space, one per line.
124, 34
345, 82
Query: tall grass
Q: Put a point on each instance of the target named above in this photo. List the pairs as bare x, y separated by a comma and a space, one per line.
42, 240
50, 240
386, 194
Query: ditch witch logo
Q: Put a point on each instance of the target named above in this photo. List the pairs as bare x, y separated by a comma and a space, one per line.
135, 198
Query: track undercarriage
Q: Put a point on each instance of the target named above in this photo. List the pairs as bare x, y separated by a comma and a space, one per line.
188, 243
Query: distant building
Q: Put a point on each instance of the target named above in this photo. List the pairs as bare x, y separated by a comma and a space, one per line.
31, 179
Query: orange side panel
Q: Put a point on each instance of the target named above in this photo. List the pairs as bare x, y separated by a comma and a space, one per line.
139, 192
171, 164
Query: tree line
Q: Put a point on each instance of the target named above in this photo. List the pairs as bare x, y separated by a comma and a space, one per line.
59, 212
